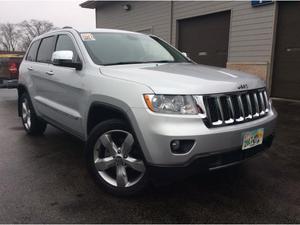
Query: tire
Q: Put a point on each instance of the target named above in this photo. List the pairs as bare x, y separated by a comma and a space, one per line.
115, 159
32, 124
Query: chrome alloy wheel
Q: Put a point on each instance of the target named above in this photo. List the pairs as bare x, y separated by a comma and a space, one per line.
116, 160
26, 114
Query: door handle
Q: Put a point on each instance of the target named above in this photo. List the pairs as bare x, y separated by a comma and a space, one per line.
202, 53
50, 73
30, 68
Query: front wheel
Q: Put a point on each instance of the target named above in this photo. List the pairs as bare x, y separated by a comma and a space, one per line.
115, 158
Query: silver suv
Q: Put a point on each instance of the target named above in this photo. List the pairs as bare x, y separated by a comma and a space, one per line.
142, 107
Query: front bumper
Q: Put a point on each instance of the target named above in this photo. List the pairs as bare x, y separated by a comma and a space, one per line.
156, 131
208, 162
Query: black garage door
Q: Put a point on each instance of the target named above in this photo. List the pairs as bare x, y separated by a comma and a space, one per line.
286, 72
205, 38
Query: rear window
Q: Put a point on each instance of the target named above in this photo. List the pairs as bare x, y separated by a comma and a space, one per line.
46, 49
31, 56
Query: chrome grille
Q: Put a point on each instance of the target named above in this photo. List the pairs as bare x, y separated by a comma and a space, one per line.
233, 108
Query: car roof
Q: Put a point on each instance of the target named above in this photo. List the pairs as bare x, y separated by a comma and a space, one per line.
98, 30
105, 30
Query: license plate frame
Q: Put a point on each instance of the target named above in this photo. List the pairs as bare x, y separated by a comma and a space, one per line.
252, 138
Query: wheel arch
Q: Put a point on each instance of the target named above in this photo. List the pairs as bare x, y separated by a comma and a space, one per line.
100, 111
115, 112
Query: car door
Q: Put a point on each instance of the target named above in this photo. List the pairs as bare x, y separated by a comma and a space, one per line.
28, 69
65, 90
40, 76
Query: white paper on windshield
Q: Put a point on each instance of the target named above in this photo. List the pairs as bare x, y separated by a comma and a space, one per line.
87, 37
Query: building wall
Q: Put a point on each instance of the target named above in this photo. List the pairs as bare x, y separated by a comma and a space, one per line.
251, 30
142, 16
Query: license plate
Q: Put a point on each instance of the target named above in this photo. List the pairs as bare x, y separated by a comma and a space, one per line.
252, 138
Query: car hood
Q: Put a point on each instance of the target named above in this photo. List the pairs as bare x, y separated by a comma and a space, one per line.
184, 78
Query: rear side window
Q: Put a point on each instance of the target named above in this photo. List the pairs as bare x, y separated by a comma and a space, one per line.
46, 49
64, 42
31, 56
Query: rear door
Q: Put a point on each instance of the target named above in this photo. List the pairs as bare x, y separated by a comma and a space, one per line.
41, 76
28, 69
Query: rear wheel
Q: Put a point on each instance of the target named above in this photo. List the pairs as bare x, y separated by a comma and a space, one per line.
31, 123
115, 158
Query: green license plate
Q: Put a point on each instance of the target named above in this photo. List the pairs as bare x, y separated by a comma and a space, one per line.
253, 138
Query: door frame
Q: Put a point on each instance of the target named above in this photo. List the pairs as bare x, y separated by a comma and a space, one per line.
269, 79
205, 14
270, 74
229, 10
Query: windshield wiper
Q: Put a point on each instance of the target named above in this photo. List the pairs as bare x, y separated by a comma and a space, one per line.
123, 63
162, 61
139, 62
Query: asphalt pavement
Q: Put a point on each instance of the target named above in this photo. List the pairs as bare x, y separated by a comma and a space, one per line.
44, 180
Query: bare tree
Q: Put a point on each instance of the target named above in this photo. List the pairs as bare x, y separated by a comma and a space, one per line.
9, 36
32, 28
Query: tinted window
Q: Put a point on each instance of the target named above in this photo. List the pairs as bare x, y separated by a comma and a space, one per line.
46, 49
64, 42
31, 56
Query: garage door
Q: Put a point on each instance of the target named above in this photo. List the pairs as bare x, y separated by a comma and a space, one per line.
286, 72
205, 38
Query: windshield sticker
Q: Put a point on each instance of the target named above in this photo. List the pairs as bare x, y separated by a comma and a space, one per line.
87, 37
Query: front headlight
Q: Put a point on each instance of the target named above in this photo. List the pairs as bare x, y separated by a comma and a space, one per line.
172, 104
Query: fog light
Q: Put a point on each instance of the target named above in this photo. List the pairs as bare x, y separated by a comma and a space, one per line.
175, 145
181, 146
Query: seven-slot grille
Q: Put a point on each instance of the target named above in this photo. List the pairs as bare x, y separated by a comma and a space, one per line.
232, 108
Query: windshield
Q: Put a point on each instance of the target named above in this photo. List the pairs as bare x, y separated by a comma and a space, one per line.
127, 48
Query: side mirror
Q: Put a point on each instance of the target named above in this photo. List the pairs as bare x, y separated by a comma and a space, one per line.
184, 54
65, 58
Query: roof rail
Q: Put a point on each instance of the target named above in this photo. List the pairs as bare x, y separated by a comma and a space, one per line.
67, 27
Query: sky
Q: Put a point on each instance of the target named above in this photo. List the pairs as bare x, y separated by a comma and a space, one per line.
60, 13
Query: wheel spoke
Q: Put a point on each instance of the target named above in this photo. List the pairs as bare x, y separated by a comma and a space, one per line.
24, 111
28, 121
113, 151
122, 179
127, 144
24, 107
135, 164
109, 144
24, 116
105, 163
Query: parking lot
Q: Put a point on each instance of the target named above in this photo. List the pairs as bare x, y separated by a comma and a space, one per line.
44, 180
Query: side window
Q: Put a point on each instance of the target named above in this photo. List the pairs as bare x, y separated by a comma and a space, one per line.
46, 49
31, 56
64, 42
